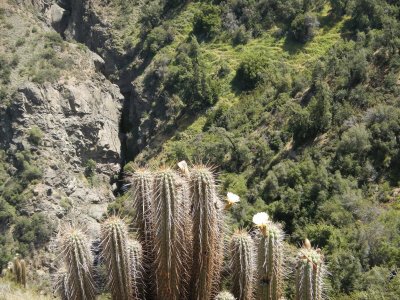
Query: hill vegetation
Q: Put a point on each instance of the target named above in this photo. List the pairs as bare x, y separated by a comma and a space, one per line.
295, 102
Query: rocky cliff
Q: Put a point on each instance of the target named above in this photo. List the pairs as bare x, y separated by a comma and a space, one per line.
66, 120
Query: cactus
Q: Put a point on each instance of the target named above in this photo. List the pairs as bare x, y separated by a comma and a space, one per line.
142, 195
207, 234
115, 253
242, 265
270, 268
23, 273
169, 221
179, 251
310, 272
136, 263
62, 285
78, 259
224, 295
19, 270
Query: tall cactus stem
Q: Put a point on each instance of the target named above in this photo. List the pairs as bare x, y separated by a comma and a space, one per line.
136, 261
270, 264
207, 234
78, 259
310, 272
169, 224
142, 193
115, 253
243, 265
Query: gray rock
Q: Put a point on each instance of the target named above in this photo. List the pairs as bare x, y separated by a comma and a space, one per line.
58, 18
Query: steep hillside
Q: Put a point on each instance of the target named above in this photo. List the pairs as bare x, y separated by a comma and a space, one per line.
296, 103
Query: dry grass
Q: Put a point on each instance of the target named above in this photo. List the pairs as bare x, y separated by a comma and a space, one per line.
10, 291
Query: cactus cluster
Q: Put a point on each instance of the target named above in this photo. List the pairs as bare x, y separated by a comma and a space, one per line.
19, 270
179, 251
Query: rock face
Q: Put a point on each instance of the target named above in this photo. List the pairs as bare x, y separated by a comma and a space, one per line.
79, 122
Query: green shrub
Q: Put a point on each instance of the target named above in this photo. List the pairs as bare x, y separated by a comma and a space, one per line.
251, 72
35, 230
158, 38
90, 168
35, 135
207, 23
304, 27
5, 70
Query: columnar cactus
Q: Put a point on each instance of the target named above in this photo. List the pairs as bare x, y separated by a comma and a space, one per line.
19, 270
310, 272
207, 234
225, 295
23, 272
169, 233
270, 268
116, 255
136, 261
242, 265
142, 196
62, 285
179, 251
78, 259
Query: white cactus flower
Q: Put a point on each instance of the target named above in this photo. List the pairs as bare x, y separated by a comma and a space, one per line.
232, 198
261, 219
183, 166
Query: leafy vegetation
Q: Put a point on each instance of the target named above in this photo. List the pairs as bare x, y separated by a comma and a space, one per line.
306, 126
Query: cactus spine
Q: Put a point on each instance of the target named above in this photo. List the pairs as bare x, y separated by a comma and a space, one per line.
169, 221
78, 259
310, 272
242, 265
270, 267
224, 295
115, 253
207, 234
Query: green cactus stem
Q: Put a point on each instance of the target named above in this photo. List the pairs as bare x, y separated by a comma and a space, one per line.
270, 264
207, 234
243, 265
136, 261
76, 254
310, 272
169, 224
116, 255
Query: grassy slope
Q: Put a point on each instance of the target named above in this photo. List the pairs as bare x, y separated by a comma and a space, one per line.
282, 49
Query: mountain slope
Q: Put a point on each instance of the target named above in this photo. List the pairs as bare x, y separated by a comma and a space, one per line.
295, 102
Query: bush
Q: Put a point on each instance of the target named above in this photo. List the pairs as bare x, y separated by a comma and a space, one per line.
241, 36
158, 38
304, 27
251, 72
207, 23
35, 230
35, 135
